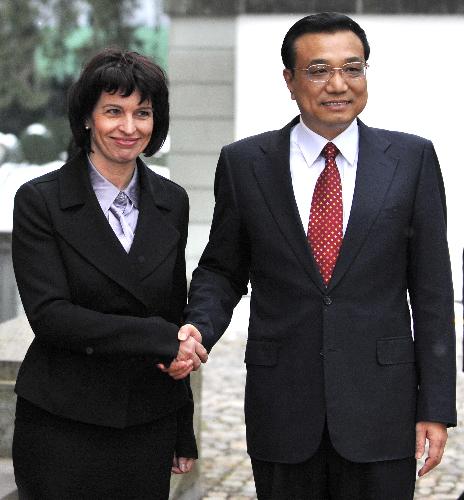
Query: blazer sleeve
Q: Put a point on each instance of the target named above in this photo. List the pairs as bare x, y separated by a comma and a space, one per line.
222, 275
186, 445
45, 294
431, 295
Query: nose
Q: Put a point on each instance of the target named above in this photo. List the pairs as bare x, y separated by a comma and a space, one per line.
127, 124
337, 82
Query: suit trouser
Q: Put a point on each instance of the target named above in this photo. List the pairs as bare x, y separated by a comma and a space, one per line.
327, 475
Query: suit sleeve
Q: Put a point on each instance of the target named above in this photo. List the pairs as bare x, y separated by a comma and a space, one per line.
222, 274
45, 294
431, 295
186, 443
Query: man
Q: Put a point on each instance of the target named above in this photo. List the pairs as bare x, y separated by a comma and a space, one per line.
334, 223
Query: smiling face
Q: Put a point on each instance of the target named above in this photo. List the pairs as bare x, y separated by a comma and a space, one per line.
327, 108
120, 129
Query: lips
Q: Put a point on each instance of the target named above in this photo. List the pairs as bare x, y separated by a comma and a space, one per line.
336, 103
124, 142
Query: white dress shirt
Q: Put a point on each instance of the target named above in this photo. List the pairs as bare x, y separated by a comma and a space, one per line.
307, 163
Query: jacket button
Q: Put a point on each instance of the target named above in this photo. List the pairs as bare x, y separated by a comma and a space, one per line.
89, 350
327, 300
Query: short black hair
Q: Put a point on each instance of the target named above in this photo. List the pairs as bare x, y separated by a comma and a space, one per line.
114, 70
324, 22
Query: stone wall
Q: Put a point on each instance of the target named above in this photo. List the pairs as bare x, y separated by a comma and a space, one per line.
236, 7
15, 337
9, 298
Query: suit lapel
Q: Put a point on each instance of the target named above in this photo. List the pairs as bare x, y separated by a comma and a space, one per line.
374, 174
155, 237
272, 172
83, 225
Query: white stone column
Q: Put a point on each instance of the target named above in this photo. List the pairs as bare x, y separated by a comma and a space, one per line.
201, 73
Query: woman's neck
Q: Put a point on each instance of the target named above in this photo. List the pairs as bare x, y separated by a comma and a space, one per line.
118, 174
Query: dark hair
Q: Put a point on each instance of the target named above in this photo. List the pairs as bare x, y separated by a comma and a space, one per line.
325, 22
114, 70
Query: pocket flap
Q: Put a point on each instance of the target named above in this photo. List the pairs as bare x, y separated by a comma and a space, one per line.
395, 350
260, 352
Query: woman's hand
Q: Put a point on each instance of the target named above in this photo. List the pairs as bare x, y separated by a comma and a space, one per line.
182, 465
190, 356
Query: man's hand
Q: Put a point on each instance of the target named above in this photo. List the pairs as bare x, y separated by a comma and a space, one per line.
181, 465
190, 355
437, 435
187, 331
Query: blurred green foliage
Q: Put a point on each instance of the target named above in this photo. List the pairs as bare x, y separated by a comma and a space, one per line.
43, 46
38, 149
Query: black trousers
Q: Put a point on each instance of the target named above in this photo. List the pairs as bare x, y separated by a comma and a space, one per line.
328, 476
56, 458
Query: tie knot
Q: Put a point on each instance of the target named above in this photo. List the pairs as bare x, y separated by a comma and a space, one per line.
121, 201
330, 151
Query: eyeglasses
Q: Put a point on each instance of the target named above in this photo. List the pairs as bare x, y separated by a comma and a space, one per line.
322, 73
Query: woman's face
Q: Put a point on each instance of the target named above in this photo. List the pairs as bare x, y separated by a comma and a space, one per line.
120, 129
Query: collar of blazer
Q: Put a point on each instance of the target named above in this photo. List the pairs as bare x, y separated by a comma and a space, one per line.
375, 171
83, 225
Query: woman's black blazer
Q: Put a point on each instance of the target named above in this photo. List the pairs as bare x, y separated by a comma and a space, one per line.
102, 318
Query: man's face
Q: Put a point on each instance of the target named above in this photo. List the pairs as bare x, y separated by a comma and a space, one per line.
327, 108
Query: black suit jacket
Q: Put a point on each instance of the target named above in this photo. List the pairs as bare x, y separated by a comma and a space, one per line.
102, 318
345, 353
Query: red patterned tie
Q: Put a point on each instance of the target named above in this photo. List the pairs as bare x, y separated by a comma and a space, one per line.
325, 229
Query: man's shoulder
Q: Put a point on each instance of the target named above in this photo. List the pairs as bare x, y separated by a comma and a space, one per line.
254, 141
264, 140
392, 136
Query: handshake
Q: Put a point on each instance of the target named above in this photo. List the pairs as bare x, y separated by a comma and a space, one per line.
190, 355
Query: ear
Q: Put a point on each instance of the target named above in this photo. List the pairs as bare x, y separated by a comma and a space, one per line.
88, 122
288, 77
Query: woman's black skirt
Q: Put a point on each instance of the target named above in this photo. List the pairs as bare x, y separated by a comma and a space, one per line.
58, 458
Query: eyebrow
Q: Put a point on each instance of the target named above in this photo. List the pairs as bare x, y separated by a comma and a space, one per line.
109, 105
318, 61
325, 61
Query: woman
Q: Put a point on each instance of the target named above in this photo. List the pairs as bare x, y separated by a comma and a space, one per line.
98, 252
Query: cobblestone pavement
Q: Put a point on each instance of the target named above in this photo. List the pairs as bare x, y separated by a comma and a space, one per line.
225, 465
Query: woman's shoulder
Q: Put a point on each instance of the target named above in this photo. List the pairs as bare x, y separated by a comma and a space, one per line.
168, 185
47, 182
